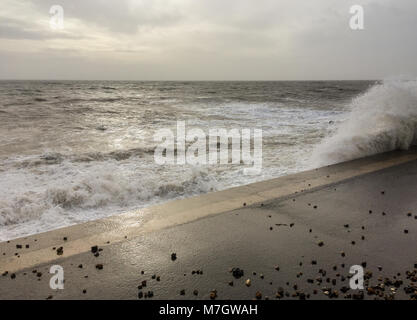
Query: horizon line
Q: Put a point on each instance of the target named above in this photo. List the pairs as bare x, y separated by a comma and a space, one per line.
138, 80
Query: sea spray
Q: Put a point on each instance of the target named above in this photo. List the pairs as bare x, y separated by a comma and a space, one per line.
382, 119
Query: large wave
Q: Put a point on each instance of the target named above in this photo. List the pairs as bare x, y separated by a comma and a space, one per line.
382, 119
89, 194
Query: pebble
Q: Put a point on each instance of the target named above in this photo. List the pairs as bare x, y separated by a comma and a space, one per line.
99, 266
321, 243
195, 292
173, 256
213, 294
258, 295
248, 282
60, 251
237, 273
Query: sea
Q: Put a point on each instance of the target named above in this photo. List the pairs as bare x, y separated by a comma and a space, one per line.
75, 151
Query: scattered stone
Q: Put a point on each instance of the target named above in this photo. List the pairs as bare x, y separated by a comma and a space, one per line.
18, 246
182, 292
231, 283
140, 295
258, 295
277, 268
321, 243
346, 226
80, 266
65, 238
173, 256
13, 276
39, 274
84, 291
94, 249
343, 254
195, 292
99, 266
237, 273
405, 231
213, 294
248, 282
60, 251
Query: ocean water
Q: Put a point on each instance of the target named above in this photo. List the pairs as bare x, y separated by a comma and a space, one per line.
73, 151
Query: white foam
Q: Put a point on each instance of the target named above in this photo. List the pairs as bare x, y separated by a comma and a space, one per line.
382, 119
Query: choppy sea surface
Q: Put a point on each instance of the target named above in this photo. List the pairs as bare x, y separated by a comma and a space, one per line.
73, 151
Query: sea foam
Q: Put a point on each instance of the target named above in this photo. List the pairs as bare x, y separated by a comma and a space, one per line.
382, 119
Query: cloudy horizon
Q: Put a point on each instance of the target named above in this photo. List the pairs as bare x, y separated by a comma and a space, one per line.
207, 40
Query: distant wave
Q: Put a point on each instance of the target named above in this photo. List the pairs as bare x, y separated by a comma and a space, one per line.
382, 119
57, 158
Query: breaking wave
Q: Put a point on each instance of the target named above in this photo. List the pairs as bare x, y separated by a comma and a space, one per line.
90, 193
382, 119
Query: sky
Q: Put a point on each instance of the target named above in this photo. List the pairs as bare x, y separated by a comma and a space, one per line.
207, 40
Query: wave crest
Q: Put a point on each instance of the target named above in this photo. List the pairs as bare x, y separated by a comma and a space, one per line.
382, 119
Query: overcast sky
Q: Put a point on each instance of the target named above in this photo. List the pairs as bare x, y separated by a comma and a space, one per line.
207, 40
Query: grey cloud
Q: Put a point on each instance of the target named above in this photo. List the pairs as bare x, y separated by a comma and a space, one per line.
217, 39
